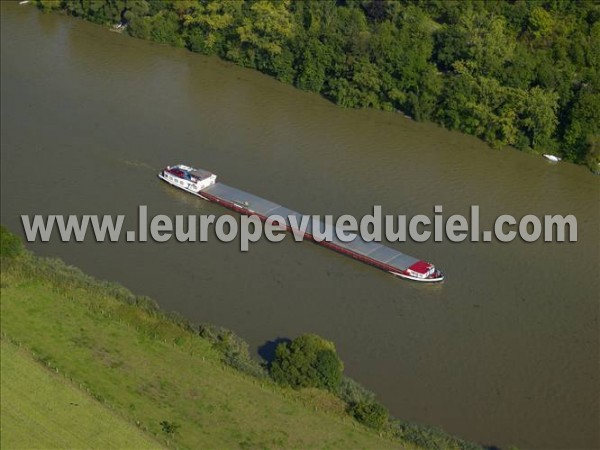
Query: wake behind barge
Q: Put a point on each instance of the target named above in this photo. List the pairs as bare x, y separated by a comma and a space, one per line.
204, 184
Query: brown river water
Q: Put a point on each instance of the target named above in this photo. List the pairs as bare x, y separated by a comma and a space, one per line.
506, 351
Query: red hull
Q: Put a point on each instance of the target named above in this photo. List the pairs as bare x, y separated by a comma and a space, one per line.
239, 209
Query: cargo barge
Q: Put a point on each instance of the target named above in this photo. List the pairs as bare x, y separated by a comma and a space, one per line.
204, 185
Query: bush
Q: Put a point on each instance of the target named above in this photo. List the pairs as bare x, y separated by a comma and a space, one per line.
233, 348
10, 245
169, 428
428, 437
352, 392
308, 361
371, 414
147, 304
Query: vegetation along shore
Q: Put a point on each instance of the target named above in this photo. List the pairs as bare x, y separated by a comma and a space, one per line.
77, 351
522, 73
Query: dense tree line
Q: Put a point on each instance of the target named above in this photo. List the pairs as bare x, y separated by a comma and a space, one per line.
521, 73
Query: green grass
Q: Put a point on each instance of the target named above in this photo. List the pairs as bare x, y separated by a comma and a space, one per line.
148, 369
43, 410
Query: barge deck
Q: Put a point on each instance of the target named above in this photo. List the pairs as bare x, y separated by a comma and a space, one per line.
203, 184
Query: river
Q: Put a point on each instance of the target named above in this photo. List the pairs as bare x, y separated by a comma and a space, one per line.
506, 351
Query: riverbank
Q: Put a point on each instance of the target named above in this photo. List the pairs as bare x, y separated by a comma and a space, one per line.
530, 82
156, 374
149, 369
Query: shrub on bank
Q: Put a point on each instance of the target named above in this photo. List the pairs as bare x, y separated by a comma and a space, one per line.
352, 392
308, 361
233, 348
372, 414
361, 404
10, 245
428, 437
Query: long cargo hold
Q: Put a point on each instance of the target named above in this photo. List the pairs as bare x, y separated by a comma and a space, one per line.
203, 184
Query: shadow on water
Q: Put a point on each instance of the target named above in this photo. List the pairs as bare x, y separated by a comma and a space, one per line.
267, 350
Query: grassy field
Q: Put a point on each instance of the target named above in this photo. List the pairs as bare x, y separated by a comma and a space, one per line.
136, 365
43, 410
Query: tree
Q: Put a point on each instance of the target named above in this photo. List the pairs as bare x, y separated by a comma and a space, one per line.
48, 5
308, 361
584, 122
266, 27
540, 22
482, 106
94, 10
592, 158
208, 26
540, 117
523, 73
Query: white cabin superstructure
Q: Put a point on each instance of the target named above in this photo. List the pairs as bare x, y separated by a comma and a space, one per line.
188, 178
